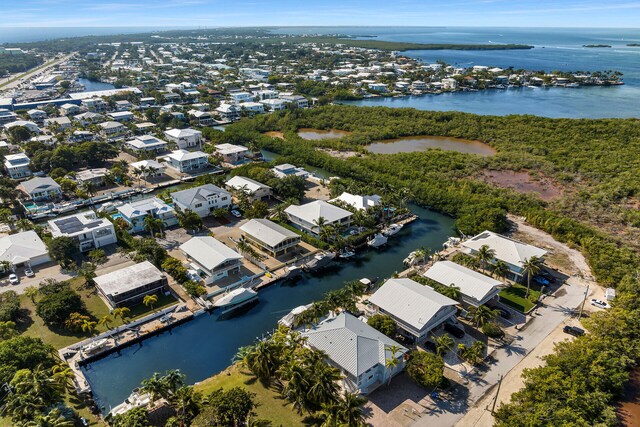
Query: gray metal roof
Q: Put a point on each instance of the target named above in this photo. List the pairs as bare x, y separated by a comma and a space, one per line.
471, 283
312, 211
351, 344
508, 250
38, 184
208, 252
190, 195
128, 278
268, 231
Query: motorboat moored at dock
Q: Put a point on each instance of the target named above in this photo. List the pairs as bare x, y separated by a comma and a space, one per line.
392, 229
236, 298
320, 260
377, 240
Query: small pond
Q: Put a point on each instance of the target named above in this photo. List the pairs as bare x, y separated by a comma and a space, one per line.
412, 144
317, 134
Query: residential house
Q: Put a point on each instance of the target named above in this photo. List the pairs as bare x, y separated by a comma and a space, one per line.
307, 217
252, 107
31, 127
113, 130
188, 161
95, 105
17, 165
148, 168
147, 143
476, 288
449, 84
274, 104
378, 87
81, 136
69, 109
232, 154
98, 177
212, 259
121, 116
88, 118
228, 112
204, 118
123, 105
147, 102
202, 200
7, 116
510, 251
358, 350
41, 189
417, 309
270, 237
134, 213
24, 249
60, 123
358, 202
239, 97
254, 189
184, 138
86, 228
37, 116
284, 170
298, 100
129, 285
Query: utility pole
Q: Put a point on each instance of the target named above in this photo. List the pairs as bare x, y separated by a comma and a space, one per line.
495, 399
586, 294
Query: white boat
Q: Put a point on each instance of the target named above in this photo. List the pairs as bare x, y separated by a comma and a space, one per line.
65, 208
392, 229
135, 400
346, 254
290, 319
410, 260
236, 297
94, 346
319, 260
291, 271
377, 240
166, 318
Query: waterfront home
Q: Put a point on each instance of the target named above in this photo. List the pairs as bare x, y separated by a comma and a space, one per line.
274, 104
17, 165
184, 138
37, 115
252, 107
449, 84
270, 237
202, 200
95, 105
307, 217
417, 310
510, 251
129, 285
232, 154
284, 170
86, 228
146, 143
476, 288
358, 350
358, 202
212, 259
40, 189
113, 130
378, 87
24, 249
298, 100
204, 118
121, 116
148, 168
69, 109
254, 189
239, 97
188, 161
97, 177
419, 85
58, 123
134, 213
88, 118
228, 112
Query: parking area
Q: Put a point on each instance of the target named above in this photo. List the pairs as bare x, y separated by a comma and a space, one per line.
41, 272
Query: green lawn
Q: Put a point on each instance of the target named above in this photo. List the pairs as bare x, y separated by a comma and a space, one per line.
31, 325
514, 296
271, 406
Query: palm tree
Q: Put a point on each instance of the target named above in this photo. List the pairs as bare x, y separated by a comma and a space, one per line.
444, 343
155, 386
88, 326
296, 378
52, 419
501, 269
350, 411
485, 255
324, 382
106, 321
152, 223
173, 380
121, 312
483, 314
63, 375
150, 300
321, 222
531, 267
452, 291
392, 362
31, 292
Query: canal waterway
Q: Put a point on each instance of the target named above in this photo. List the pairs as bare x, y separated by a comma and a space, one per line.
206, 345
92, 85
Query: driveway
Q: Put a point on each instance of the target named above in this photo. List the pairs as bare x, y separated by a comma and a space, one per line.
447, 411
42, 272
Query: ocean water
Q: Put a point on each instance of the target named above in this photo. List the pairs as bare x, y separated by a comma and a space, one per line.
25, 35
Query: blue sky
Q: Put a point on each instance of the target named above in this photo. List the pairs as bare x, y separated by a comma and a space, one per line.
214, 13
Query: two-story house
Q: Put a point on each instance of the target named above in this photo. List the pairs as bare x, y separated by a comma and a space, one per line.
188, 161
232, 154
86, 228
212, 259
310, 216
254, 189
134, 213
41, 189
17, 165
202, 200
146, 143
184, 138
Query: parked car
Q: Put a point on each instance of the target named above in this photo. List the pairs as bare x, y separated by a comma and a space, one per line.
541, 280
599, 303
13, 279
236, 213
504, 313
573, 330
430, 346
29, 272
454, 330
193, 276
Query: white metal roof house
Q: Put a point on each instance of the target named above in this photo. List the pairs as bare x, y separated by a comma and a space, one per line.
232, 154
184, 138
254, 189
188, 161
135, 213
510, 251
417, 309
152, 167
270, 237
145, 143
17, 165
358, 350
40, 189
307, 216
476, 288
129, 285
202, 200
90, 231
211, 258
284, 170
24, 249
359, 202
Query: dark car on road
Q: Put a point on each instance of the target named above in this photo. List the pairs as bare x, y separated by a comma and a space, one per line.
573, 330
454, 330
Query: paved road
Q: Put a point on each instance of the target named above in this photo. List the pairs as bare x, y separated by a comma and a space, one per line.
24, 77
448, 411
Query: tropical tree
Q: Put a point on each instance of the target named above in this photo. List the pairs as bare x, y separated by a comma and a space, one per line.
53, 418
88, 326
150, 300
531, 267
383, 323
444, 343
63, 375
350, 410
473, 353
152, 223
451, 291
173, 380
484, 256
392, 362
483, 314
156, 386
121, 312
323, 387
106, 321
320, 223
31, 292
187, 404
